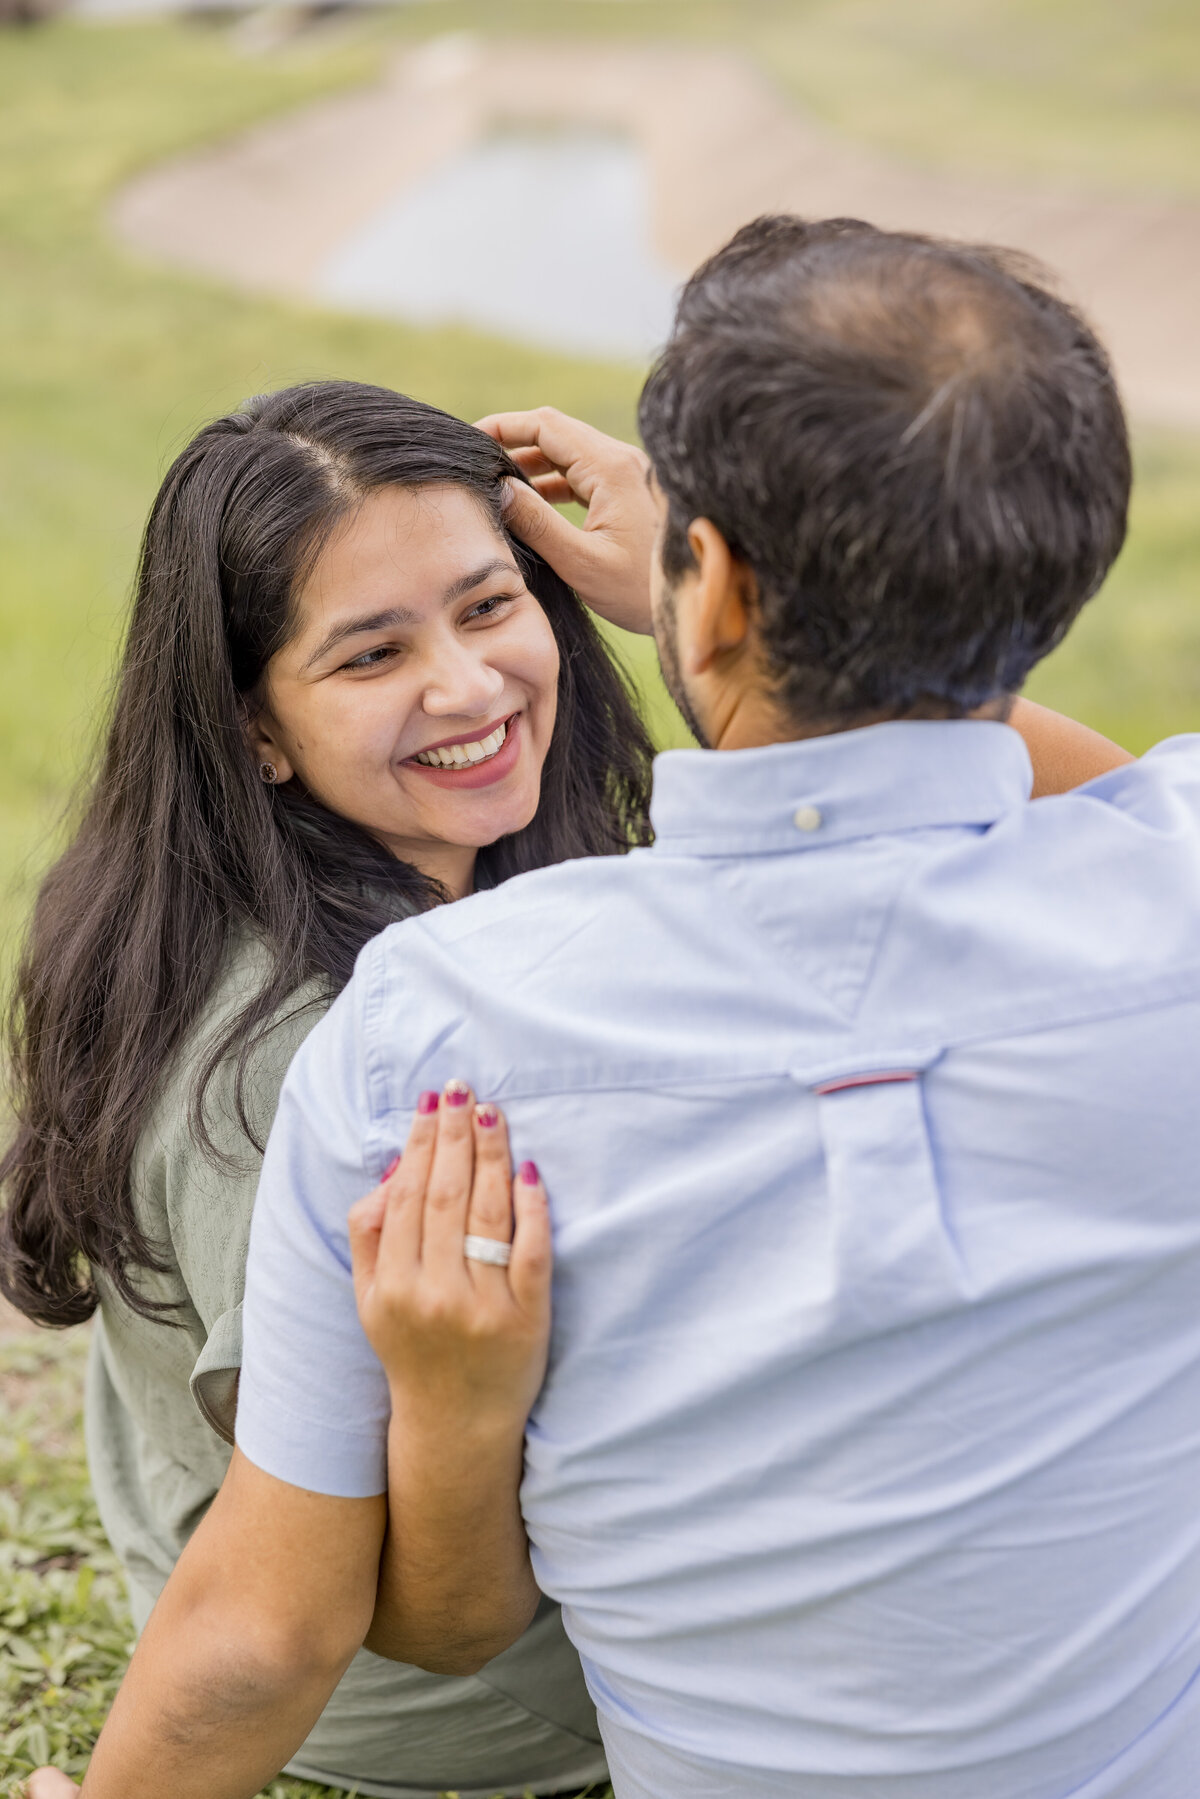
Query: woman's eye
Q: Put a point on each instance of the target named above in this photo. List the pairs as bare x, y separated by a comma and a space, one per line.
488, 608
372, 658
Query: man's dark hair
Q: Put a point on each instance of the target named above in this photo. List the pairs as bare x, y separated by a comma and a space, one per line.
917, 449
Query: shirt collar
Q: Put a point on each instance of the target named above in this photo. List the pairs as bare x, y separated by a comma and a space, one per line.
902, 776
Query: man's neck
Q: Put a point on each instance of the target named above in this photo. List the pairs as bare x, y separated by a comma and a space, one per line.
753, 722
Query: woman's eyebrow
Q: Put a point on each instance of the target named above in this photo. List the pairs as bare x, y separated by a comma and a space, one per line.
394, 618
390, 619
498, 565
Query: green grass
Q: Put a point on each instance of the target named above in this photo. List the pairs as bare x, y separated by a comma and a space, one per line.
1103, 93
64, 1628
1094, 92
1131, 666
106, 366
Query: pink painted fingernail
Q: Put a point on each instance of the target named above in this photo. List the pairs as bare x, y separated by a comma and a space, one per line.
529, 1174
390, 1170
457, 1093
488, 1117
427, 1103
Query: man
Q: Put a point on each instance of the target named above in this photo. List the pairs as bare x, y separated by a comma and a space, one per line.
867, 1459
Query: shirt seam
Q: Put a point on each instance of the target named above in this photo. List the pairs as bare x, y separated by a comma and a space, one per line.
857, 1051
379, 972
788, 843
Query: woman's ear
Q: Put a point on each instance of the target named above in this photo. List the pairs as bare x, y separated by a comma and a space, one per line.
263, 736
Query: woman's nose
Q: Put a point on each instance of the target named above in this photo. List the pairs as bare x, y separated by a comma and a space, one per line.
461, 683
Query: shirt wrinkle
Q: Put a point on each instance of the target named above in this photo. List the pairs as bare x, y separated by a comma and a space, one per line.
865, 1101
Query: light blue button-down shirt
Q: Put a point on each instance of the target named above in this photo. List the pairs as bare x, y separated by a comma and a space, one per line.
868, 1101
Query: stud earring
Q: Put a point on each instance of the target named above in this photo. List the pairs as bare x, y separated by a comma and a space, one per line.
269, 773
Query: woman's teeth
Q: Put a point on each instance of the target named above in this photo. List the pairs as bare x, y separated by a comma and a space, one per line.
464, 755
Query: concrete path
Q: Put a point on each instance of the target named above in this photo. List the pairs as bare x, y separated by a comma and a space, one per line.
267, 210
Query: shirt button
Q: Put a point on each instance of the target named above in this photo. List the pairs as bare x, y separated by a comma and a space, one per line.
807, 818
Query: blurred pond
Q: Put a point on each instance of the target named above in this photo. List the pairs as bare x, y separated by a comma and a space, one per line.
543, 237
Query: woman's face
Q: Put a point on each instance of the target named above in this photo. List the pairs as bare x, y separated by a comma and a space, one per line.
418, 691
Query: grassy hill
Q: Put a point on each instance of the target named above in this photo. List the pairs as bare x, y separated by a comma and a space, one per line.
106, 366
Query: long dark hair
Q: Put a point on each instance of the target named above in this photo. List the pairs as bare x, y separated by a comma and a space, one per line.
180, 849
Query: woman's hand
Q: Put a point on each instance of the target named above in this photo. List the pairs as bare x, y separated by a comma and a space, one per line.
50, 1783
607, 562
463, 1342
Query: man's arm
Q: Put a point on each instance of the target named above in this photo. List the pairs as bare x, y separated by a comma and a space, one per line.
607, 561
265, 1608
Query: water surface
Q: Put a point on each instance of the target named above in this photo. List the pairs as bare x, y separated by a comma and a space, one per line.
540, 237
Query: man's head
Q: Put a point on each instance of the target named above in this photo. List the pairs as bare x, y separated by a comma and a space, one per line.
893, 471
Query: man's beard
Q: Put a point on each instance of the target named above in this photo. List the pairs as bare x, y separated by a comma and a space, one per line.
665, 635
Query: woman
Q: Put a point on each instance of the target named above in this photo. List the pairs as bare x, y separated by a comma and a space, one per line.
346, 695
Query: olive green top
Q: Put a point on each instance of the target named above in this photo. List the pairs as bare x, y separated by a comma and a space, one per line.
160, 1411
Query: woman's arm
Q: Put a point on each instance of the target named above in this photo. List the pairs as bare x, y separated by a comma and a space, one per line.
254, 1629
1064, 753
276, 1589
464, 1346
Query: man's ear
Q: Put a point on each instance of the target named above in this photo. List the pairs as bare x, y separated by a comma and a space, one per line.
263, 736
720, 601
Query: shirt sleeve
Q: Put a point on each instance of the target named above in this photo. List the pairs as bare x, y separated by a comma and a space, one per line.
313, 1399
210, 1205
1171, 767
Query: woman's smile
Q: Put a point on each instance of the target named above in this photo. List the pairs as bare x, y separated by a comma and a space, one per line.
478, 761
418, 693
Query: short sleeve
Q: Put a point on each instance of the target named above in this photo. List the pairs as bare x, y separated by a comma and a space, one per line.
209, 1200
216, 1373
313, 1400
1162, 787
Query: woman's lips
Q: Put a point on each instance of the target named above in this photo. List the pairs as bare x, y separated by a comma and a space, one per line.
478, 774
476, 738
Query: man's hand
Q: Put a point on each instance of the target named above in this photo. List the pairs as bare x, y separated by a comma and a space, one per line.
607, 562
